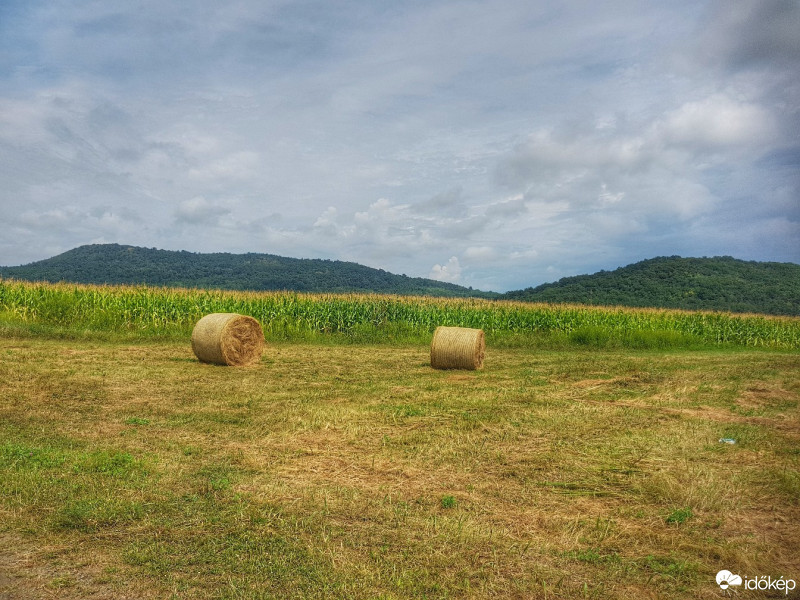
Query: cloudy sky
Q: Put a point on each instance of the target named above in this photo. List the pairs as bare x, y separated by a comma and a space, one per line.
497, 144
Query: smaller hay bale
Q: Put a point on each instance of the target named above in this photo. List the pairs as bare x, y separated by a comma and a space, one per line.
228, 339
457, 348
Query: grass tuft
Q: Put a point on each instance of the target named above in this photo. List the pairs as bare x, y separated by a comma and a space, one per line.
448, 502
679, 516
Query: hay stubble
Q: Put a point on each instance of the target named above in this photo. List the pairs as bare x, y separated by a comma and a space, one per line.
347, 452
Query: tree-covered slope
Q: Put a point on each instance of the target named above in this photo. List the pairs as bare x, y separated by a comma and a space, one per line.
719, 283
116, 264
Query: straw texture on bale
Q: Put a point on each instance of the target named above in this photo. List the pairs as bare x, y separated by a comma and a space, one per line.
228, 339
457, 348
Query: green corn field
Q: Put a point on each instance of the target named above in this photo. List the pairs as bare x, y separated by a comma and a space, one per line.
150, 311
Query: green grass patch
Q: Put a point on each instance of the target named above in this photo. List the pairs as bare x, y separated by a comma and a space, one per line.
23, 457
89, 515
117, 464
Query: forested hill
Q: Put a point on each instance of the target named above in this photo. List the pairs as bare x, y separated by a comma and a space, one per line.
719, 283
116, 264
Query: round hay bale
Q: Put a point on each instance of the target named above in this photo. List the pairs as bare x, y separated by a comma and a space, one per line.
457, 348
228, 339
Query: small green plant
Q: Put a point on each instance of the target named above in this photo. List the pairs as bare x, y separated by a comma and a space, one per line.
61, 582
448, 502
137, 421
219, 484
589, 555
679, 516
670, 567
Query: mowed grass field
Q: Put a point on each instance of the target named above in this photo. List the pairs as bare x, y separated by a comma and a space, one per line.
586, 466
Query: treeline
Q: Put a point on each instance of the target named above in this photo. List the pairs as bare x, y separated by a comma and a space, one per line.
132, 265
719, 283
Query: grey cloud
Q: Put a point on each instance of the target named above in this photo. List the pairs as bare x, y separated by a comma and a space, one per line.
35, 230
751, 47
199, 211
558, 157
460, 230
450, 202
155, 40
507, 209
742, 34
107, 211
106, 220
386, 232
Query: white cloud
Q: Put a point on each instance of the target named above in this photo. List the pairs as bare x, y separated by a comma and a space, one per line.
718, 122
608, 198
528, 254
481, 253
239, 165
380, 213
450, 272
326, 222
57, 217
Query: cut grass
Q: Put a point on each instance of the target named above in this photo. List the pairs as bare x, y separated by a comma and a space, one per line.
360, 472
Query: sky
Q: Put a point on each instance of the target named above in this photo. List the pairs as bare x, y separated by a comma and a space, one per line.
497, 144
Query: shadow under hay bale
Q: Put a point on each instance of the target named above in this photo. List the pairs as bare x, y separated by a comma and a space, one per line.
457, 348
228, 339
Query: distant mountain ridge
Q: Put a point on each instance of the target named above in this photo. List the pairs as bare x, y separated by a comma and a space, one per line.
119, 264
720, 283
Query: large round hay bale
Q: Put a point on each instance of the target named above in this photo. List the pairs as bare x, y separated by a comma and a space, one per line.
228, 339
457, 348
